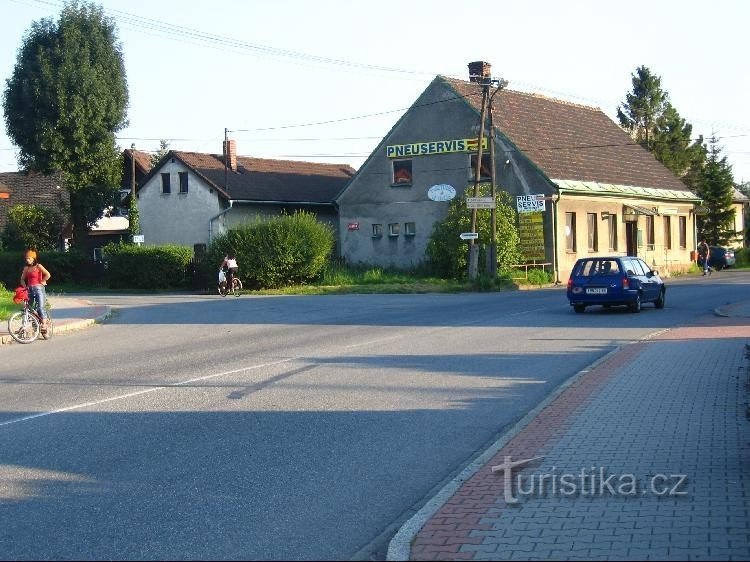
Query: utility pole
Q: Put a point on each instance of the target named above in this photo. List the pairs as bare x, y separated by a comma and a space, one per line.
132, 171
492, 257
473, 248
226, 159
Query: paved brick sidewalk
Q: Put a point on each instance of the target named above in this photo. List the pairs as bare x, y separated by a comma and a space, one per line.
654, 411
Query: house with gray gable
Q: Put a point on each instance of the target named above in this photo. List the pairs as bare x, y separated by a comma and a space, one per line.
598, 192
189, 198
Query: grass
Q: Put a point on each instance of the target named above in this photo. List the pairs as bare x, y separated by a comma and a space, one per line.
6, 304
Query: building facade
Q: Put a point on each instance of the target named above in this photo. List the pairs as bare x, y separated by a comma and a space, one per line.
592, 189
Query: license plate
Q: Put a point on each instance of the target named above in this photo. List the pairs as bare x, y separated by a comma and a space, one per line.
596, 291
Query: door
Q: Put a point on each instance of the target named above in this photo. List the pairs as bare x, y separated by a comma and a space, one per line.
631, 238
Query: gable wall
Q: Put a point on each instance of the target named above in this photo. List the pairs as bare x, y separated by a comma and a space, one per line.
176, 218
372, 199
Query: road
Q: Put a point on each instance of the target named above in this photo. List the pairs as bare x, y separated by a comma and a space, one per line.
280, 427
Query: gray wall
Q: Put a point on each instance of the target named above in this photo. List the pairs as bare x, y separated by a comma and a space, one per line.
370, 197
177, 218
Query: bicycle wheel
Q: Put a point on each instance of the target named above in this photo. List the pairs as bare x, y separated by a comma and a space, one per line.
222, 289
236, 286
23, 327
50, 331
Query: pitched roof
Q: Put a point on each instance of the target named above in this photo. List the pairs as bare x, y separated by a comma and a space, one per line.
259, 179
31, 188
569, 141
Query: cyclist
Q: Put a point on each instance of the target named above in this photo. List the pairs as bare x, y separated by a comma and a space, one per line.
230, 264
34, 277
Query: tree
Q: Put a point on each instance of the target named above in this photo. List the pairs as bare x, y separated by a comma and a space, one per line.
642, 107
32, 226
715, 186
63, 104
159, 154
447, 252
673, 146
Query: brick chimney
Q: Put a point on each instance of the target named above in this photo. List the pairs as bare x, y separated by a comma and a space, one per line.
479, 70
230, 154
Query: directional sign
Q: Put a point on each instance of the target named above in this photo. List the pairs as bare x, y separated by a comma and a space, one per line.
480, 203
469, 235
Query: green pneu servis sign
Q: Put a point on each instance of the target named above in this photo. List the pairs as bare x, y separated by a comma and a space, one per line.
433, 147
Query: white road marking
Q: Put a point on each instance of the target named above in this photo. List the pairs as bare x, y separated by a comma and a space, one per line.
142, 392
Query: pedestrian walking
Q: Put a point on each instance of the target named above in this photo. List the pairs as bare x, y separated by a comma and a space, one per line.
704, 253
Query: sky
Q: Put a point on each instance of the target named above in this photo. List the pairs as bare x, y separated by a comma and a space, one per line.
324, 81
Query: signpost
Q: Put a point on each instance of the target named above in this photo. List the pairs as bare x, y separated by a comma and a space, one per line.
139, 239
480, 203
469, 235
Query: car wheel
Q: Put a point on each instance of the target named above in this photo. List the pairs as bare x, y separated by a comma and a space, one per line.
659, 303
635, 306
579, 308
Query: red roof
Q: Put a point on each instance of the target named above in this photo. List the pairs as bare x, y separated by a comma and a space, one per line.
569, 141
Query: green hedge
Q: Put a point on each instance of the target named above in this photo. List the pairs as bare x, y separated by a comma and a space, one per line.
130, 266
65, 267
276, 252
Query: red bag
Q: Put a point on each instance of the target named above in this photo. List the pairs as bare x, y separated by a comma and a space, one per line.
20, 295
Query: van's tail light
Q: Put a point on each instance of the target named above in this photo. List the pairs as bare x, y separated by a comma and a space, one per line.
570, 282
625, 283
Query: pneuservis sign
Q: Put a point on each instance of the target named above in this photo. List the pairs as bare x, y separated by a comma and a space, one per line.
433, 147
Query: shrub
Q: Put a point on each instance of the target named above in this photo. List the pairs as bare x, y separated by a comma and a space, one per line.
276, 252
32, 226
448, 254
148, 267
65, 267
539, 277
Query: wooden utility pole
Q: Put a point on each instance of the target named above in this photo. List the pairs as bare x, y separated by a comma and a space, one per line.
473, 248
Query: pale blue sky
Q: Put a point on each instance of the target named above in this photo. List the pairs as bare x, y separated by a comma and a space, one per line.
256, 68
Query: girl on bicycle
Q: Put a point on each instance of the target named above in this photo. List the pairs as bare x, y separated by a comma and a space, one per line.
230, 263
34, 277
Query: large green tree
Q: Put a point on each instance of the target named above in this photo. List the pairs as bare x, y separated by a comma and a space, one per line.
63, 104
643, 106
654, 123
715, 186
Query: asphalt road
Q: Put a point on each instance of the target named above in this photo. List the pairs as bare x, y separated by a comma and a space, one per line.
195, 427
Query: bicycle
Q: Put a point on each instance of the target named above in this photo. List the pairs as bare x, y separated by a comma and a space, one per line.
235, 289
25, 325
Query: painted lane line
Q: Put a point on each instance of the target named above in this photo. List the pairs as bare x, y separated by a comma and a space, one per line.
142, 392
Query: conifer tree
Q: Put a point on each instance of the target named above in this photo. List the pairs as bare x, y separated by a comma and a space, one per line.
715, 185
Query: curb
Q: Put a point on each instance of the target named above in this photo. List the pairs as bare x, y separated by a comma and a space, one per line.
400, 546
71, 326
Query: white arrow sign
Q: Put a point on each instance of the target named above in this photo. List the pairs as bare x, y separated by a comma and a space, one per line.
469, 235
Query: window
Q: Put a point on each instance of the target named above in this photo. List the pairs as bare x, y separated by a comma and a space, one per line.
183, 182
668, 233
377, 230
394, 229
484, 171
166, 183
570, 232
593, 232
613, 232
649, 232
410, 228
402, 172
683, 232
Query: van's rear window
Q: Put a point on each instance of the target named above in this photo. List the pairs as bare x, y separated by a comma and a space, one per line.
597, 266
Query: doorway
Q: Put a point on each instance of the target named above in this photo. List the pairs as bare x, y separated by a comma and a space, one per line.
631, 238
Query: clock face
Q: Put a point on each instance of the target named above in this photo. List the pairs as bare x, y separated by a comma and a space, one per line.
441, 192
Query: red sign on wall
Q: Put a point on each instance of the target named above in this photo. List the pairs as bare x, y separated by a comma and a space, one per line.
353, 226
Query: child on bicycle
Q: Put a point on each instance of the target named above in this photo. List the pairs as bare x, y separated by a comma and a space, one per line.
34, 277
230, 265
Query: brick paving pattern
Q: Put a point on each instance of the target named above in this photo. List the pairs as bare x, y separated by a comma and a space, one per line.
673, 405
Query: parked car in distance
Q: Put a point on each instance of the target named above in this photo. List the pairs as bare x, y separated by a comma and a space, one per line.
720, 258
614, 281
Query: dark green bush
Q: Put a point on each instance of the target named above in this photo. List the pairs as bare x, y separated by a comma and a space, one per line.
65, 267
539, 277
130, 266
275, 252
